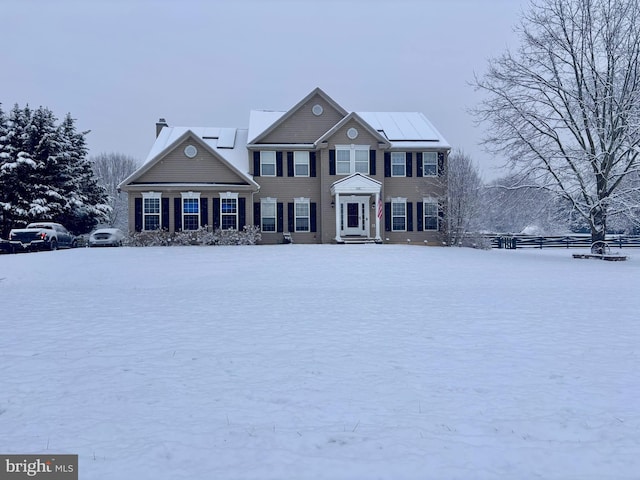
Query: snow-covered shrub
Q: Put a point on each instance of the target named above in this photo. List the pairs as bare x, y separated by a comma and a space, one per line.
249, 235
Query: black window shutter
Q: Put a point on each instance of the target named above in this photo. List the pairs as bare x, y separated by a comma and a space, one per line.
332, 162
177, 213
290, 218
280, 221
242, 212
409, 169
312, 222
204, 212
387, 164
290, 171
440, 164
256, 214
419, 217
165, 214
138, 214
441, 214
216, 213
419, 164
312, 164
409, 217
256, 164
372, 162
387, 216
279, 164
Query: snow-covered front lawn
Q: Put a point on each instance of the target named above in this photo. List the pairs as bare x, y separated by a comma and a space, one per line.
322, 362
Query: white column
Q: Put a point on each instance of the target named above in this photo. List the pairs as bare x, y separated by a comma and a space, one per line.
337, 209
378, 238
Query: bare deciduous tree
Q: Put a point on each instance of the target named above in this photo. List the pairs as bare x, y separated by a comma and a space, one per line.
464, 197
565, 108
111, 169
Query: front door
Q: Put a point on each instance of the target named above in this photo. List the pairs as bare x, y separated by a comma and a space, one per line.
355, 216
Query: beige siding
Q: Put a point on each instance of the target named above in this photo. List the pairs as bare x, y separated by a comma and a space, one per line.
303, 126
176, 167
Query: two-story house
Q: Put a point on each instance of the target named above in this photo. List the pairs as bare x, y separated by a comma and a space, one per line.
315, 173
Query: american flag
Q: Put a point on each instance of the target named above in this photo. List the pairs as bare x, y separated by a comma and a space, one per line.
379, 208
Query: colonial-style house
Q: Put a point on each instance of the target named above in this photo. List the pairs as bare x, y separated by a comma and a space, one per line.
315, 173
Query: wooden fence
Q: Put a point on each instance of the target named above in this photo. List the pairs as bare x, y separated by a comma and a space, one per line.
566, 241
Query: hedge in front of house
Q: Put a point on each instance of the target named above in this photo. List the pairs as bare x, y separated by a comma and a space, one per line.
249, 235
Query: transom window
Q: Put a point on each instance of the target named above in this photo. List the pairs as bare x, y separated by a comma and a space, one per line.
430, 215
398, 164
151, 210
301, 164
268, 164
229, 211
268, 215
302, 214
190, 211
430, 164
399, 215
351, 159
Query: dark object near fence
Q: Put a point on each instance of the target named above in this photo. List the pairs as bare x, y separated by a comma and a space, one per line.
601, 251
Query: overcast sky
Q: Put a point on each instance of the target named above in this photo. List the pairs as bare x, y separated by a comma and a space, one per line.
119, 65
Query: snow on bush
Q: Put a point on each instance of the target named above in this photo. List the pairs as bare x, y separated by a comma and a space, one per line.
250, 235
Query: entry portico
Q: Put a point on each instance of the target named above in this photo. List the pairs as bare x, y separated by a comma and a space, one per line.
354, 198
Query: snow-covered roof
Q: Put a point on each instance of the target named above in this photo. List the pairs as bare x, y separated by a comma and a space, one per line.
405, 129
260, 120
229, 143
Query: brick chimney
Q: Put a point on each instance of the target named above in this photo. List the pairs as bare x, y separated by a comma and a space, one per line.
160, 124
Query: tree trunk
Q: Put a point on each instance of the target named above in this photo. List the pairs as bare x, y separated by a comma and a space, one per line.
598, 224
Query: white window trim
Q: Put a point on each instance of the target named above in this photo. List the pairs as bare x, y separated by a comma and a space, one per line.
404, 163
232, 196
269, 201
296, 202
190, 196
403, 201
430, 201
152, 195
306, 161
425, 155
263, 161
352, 157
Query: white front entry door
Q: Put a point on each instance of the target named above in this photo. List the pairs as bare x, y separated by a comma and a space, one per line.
354, 216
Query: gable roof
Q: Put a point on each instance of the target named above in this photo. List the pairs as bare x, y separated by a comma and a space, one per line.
226, 144
263, 131
356, 182
354, 116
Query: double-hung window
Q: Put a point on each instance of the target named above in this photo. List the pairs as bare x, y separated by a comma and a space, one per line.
301, 164
430, 164
430, 215
351, 159
151, 210
398, 214
190, 210
302, 215
268, 214
398, 164
268, 164
229, 211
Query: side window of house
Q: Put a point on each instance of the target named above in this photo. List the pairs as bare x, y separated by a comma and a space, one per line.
430, 215
398, 215
268, 164
398, 164
268, 215
229, 213
301, 164
190, 213
151, 211
302, 215
430, 164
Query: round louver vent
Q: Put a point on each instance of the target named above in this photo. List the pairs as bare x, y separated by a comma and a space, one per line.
190, 151
317, 110
352, 133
